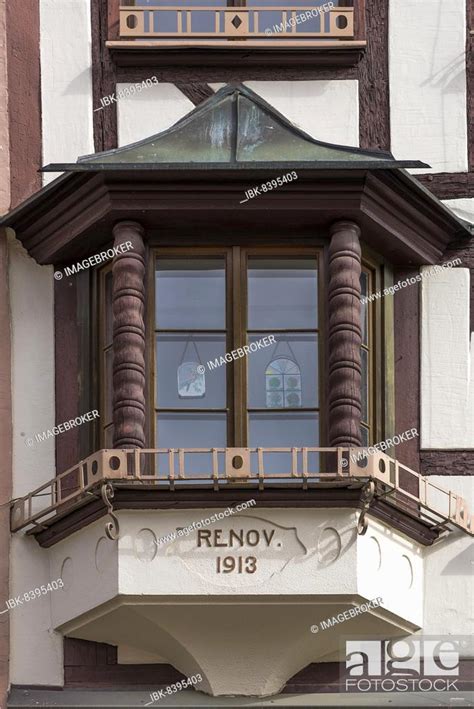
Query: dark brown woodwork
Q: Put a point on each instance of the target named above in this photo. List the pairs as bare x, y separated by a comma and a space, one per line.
210, 59
344, 335
374, 93
74, 218
316, 678
449, 185
129, 338
150, 499
360, 31
197, 91
104, 24
407, 366
22, 56
447, 462
178, 72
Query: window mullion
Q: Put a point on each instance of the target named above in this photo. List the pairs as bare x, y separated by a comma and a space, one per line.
238, 368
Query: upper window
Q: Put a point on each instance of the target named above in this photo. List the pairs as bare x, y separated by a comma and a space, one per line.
264, 309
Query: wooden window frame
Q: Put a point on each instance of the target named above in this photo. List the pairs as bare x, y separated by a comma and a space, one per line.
236, 325
381, 361
102, 348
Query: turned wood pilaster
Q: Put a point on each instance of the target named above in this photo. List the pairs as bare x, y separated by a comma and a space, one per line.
344, 335
128, 272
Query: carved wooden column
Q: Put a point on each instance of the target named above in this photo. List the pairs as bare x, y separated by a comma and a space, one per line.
129, 337
344, 335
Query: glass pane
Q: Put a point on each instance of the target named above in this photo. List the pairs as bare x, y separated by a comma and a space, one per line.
109, 436
364, 355
282, 430
109, 361
364, 307
364, 435
108, 309
282, 293
284, 375
273, 20
190, 295
191, 431
186, 353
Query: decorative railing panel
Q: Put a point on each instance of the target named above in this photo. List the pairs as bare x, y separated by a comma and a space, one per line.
186, 22
249, 468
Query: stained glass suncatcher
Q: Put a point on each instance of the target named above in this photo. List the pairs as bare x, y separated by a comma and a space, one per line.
191, 380
283, 384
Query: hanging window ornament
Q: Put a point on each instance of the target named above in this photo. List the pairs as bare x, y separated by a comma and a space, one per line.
283, 381
191, 376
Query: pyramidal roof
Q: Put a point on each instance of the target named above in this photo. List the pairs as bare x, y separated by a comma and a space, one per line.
235, 128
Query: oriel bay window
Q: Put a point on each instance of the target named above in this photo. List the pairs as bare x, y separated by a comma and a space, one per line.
205, 303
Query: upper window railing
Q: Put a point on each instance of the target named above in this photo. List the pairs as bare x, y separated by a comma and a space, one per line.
260, 22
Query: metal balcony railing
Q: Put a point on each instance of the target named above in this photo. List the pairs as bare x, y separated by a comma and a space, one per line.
248, 468
264, 22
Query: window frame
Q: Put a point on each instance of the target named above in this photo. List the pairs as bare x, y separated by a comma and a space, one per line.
101, 349
236, 260
381, 319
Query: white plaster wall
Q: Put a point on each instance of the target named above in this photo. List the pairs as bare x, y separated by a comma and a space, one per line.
66, 81
449, 605
390, 566
149, 111
36, 651
463, 208
327, 110
428, 83
447, 346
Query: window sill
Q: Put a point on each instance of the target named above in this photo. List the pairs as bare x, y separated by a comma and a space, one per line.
284, 53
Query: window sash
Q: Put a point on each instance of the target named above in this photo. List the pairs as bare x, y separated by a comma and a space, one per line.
236, 259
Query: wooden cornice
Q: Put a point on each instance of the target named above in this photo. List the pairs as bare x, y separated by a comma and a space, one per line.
150, 54
73, 217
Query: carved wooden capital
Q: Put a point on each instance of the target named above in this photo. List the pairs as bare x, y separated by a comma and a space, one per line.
129, 337
344, 335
